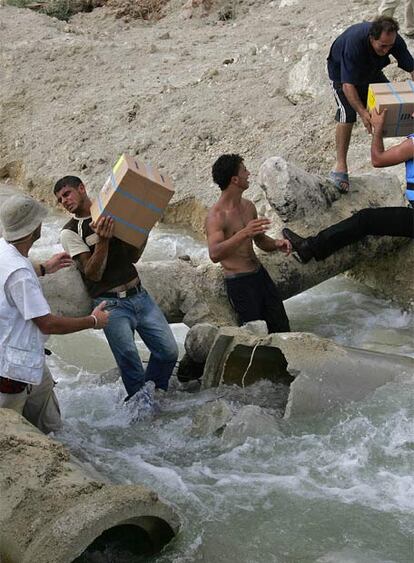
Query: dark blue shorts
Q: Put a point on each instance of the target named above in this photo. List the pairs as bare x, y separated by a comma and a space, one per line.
345, 112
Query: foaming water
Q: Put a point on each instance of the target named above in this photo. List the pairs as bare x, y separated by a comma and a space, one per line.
334, 488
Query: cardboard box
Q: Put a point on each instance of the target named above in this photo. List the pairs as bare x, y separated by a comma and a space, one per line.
398, 99
135, 195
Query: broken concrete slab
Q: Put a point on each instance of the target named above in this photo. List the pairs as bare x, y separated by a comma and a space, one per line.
320, 374
53, 509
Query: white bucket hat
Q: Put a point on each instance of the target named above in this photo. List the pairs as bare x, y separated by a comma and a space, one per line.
20, 215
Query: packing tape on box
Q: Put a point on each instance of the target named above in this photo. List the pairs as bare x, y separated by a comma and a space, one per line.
134, 198
119, 219
400, 101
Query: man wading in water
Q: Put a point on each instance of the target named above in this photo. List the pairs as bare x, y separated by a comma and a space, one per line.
232, 226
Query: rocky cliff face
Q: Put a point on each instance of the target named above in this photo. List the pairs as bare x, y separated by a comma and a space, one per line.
179, 92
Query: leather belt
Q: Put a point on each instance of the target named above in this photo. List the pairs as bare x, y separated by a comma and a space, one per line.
122, 294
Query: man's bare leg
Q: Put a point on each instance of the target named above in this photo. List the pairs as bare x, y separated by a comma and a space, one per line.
342, 138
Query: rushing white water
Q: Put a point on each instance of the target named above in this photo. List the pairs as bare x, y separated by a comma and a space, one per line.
335, 488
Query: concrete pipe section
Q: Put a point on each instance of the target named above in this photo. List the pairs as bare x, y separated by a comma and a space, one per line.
52, 510
318, 373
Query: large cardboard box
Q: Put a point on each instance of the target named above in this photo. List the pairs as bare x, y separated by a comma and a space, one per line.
398, 99
135, 195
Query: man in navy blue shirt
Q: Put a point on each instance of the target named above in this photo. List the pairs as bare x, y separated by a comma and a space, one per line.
356, 59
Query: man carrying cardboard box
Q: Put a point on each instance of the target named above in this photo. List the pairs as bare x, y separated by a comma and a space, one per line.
377, 221
232, 226
356, 59
107, 267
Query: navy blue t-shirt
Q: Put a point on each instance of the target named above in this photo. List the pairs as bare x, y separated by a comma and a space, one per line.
353, 60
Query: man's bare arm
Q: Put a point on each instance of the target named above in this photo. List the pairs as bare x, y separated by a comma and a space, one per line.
269, 244
53, 324
380, 157
353, 98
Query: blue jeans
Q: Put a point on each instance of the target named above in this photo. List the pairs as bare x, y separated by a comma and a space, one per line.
140, 313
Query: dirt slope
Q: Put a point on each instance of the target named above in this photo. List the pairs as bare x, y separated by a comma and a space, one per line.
178, 92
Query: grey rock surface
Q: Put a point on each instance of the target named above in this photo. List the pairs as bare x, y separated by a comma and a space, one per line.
250, 422
199, 340
211, 418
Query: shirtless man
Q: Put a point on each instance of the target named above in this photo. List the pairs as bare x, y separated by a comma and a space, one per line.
232, 226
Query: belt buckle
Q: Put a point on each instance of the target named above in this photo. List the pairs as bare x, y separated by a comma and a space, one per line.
122, 294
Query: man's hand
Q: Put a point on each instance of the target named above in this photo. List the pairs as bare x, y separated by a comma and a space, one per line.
366, 120
104, 227
377, 119
284, 246
256, 227
101, 316
57, 262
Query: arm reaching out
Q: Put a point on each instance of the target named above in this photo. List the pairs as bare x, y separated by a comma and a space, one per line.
353, 98
380, 157
53, 324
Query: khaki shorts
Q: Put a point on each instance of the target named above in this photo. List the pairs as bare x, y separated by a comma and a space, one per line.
37, 403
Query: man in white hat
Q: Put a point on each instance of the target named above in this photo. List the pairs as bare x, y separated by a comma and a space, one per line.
26, 385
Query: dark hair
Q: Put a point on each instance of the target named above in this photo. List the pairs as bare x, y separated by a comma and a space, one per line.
71, 181
383, 24
225, 167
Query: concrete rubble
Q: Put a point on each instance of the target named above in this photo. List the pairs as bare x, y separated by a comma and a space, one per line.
320, 374
52, 508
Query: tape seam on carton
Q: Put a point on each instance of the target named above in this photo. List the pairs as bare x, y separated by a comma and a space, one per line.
141, 202
119, 219
400, 101
411, 84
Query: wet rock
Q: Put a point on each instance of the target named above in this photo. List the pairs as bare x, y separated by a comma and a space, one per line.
189, 370
199, 340
211, 418
250, 422
257, 327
